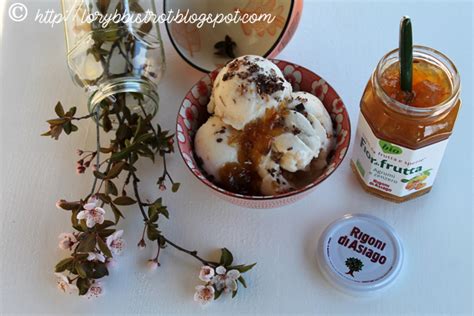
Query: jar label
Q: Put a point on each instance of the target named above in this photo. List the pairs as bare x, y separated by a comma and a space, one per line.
392, 168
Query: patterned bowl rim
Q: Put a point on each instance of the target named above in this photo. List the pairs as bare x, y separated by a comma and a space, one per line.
267, 53
304, 189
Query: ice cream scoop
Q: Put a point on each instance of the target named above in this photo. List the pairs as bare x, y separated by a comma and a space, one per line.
245, 88
314, 111
273, 181
212, 146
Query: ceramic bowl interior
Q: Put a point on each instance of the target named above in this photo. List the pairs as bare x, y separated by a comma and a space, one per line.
193, 113
196, 44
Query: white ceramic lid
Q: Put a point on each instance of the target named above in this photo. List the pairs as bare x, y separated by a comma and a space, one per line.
360, 254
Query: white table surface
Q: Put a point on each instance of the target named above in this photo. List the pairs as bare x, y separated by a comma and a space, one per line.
340, 40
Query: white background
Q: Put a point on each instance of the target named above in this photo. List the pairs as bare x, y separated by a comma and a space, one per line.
341, 41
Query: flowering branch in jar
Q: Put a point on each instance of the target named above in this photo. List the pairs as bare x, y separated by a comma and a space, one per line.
95, 240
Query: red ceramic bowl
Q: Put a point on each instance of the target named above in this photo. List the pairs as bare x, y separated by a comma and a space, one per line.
193, 113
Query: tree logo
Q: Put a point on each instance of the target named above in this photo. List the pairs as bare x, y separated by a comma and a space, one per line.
354, 265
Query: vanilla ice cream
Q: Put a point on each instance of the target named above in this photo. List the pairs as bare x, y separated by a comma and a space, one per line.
314, 111
245, 88
273, 181
212, 146
296, 136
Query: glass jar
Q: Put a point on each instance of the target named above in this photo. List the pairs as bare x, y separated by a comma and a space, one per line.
399, 147
115, 52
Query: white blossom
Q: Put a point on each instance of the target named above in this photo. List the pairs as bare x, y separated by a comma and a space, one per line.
92, 256
225, 280
92, 213
95, 290
64, 284
204, 294
66, 241
115, 243
206, 273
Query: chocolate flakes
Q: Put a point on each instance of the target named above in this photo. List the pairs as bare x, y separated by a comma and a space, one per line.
300, 108
266, 84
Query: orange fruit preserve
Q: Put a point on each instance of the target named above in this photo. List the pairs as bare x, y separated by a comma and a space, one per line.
401, 136
431, 84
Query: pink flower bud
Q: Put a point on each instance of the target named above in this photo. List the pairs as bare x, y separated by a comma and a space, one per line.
141, 244
152, 264
162, 187
80, 169
79, 152
59, 203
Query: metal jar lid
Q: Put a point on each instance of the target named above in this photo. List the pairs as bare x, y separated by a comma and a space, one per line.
360, 254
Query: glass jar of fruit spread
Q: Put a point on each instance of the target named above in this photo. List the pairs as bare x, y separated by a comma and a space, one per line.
401, 136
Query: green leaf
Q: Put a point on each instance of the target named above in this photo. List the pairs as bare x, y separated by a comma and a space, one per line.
138, 128
71, 111
404, 180
153, 214
217, 294
69, 206
116, 169
103, 6
234, 293
175, 187
104, 248
99, 175
242, 280
104, 225
110, 188
158, 207
146, 27
152, 233
83, 285
106, 150
117, 213
58, 121
81, 270
67, 127
100, 270
59, 109
123, 132
124, 200
142, 138
161, 241
121, 154
104, 198
164, 211
226, 257
246, 268
87, 244
106, 123
136, 7
106, 232
64, 264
